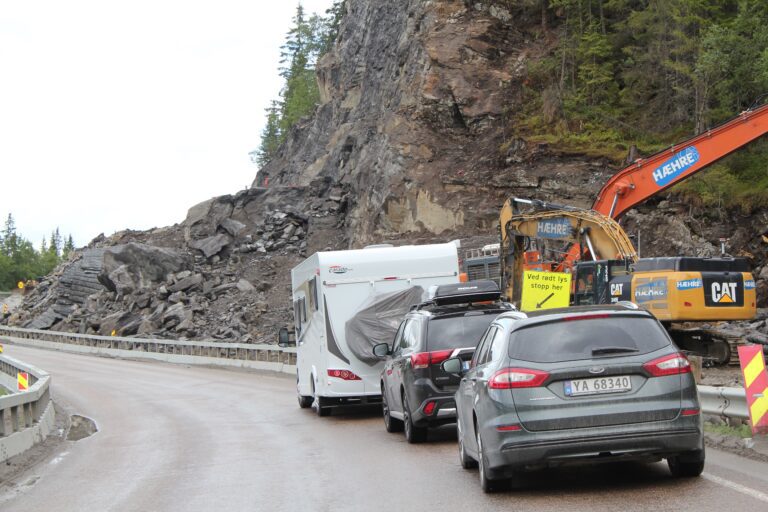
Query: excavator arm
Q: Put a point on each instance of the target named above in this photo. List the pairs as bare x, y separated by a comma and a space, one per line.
647, 177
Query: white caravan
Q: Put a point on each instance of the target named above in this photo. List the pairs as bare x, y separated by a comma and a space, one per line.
330, 288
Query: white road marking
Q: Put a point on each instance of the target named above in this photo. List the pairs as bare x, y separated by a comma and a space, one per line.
736, 487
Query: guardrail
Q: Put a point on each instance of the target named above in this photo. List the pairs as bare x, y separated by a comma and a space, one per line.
26, 418
211, 353
721, 401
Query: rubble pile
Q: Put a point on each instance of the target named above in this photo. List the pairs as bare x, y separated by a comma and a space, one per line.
223, 274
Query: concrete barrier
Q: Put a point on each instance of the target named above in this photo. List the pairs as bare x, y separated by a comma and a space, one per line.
208, 353
26, 418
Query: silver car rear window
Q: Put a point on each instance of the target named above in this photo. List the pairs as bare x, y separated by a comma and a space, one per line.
561, 341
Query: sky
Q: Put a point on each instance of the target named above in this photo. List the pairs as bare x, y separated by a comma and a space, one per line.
123, 115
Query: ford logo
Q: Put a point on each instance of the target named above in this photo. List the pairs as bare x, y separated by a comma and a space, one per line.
596, 369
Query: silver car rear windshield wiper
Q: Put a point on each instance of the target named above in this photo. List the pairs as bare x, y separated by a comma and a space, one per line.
612, 350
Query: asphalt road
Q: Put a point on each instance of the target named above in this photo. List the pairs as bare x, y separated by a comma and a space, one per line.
184, 439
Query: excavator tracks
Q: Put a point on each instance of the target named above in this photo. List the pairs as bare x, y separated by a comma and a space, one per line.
717, 348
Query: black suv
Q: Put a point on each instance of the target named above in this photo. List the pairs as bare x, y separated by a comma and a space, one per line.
416, 392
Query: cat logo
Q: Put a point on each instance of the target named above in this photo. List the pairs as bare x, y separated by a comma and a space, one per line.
723, 293
617, 289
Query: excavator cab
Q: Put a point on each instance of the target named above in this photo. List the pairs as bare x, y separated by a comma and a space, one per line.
601, 282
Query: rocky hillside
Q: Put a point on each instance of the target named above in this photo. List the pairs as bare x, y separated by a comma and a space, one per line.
411, 141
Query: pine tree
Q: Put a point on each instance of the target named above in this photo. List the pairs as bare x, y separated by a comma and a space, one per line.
330, 25
69, 247
271, 136
55, 245
298, 55
307, 40
10, 238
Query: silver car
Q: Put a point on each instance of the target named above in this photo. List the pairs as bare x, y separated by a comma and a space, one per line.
576, 385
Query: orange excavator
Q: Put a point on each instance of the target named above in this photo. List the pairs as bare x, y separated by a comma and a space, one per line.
675, 289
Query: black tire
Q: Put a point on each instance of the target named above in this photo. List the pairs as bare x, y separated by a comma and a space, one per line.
466, 461
686, 465
305, 402
390, 424
317, 403
488, 481
413, 434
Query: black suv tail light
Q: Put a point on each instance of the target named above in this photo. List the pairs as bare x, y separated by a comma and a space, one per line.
424, 359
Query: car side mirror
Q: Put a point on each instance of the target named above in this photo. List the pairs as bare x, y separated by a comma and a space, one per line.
284, 338
381, 350
453, 365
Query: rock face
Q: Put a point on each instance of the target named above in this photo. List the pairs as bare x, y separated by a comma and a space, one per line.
410, 133
65, 291
132, 267
411, 143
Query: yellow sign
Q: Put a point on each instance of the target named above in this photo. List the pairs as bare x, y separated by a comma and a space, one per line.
23, 380
20, 285
5, 308
545, 290
1, 349
113, 333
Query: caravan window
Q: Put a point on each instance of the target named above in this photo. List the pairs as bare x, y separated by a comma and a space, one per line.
297, 318
313, 294
299, 314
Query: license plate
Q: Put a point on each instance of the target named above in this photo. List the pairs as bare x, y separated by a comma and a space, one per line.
614, 384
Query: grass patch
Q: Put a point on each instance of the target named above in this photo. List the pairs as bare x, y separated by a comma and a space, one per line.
3, 391
588, 138
743, 431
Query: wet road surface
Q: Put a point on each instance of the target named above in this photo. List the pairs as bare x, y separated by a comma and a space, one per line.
178, 438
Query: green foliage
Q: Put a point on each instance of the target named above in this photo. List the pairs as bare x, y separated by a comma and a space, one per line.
650, 73
19, 261
739, 181
308, 39
742, 431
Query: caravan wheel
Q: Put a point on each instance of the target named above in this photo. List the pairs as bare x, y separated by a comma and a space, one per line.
304, 400
317, 403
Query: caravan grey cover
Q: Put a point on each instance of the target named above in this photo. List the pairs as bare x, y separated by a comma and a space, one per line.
377, 321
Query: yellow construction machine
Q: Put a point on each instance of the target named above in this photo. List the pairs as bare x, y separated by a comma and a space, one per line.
541, 236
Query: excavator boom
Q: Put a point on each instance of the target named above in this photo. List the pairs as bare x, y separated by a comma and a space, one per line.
647, 177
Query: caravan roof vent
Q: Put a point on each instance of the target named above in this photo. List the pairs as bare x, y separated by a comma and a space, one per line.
378, 246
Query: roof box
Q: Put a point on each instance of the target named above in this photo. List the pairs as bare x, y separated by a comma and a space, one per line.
472, 291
